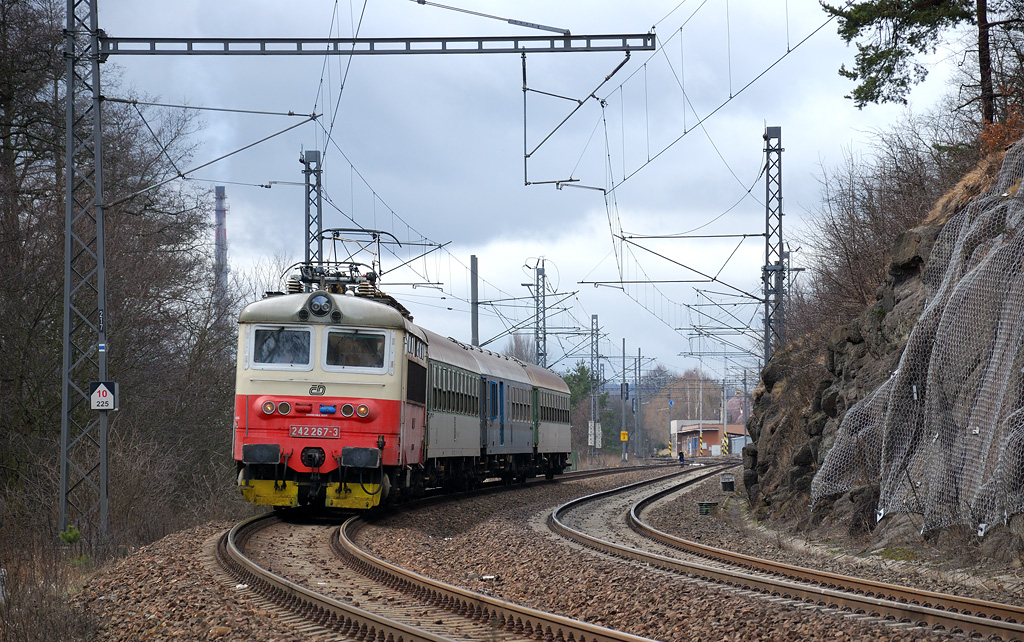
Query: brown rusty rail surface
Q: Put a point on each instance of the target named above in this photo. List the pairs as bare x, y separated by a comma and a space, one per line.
514, 618
354, 622
901, 604
346, 619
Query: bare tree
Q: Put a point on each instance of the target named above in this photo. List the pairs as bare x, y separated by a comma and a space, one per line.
267, 274
521, 347
866, 203
171, 350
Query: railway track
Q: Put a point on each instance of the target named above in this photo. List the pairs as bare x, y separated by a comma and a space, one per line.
384, 602
904, 605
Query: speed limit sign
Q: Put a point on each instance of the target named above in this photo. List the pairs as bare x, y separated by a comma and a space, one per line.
103, 395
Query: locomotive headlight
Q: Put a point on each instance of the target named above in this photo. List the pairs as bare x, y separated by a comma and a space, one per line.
363, 410
284, 407
269, 407
320, 305
347, 410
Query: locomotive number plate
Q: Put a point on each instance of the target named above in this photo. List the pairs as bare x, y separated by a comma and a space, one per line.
316, 432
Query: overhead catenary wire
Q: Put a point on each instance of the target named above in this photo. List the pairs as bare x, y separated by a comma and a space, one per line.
510, 21
650, 158
231, 110
181, 175
720, 106
354, 171
186, 174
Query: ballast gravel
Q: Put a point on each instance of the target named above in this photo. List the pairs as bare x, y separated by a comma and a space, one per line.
495, 545
165, 591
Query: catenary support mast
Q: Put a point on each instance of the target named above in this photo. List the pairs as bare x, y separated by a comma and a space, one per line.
774, 272
83, 464
310, 160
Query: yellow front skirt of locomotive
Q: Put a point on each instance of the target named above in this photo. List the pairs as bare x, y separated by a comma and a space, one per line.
267, 492
353, 495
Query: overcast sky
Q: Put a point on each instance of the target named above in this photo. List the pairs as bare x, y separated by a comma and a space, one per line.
432, 146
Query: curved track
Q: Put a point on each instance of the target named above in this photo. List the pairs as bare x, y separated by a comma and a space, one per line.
405, 606
905, 605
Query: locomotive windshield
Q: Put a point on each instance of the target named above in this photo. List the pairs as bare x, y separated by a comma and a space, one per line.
355, 348
281, 346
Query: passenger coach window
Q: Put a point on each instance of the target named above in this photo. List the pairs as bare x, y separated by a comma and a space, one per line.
355, 349
281, 346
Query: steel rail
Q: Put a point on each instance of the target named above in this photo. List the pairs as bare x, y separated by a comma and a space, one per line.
943, 601
352, 621
1008, 616
530, 623
889, 609
348, 620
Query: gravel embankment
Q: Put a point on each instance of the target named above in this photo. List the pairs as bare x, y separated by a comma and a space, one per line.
494, 545
165, 592
923, 567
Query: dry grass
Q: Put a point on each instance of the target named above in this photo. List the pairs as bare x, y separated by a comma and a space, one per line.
40, 578
974, 183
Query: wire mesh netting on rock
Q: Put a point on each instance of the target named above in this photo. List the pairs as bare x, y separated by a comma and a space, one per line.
944, 436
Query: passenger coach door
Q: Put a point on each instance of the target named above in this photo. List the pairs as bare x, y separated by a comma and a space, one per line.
501, 411
485, 411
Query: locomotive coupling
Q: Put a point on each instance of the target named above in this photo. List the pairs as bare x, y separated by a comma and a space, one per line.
313, 457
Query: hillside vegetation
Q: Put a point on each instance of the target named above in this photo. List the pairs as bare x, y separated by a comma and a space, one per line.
894, 411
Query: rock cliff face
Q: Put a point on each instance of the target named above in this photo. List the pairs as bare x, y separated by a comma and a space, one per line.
806, 393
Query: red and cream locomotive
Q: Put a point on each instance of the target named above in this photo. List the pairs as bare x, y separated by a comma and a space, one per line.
342, 401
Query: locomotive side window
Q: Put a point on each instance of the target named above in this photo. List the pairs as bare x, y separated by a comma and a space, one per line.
416, 383
282, 347
362, 349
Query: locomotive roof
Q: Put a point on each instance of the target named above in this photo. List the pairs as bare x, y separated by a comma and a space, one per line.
355, 310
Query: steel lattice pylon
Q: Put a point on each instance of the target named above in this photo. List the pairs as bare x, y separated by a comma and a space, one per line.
314, 208
773, 274
83, 467
540, 333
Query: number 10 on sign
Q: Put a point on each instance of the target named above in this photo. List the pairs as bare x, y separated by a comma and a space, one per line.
103, 395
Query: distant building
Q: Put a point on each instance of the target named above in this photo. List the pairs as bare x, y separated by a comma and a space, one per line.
697, 438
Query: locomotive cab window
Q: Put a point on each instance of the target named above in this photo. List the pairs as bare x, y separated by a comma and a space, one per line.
355, 349
282, 347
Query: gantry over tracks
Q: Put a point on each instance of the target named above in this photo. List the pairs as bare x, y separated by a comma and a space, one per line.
939, 611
